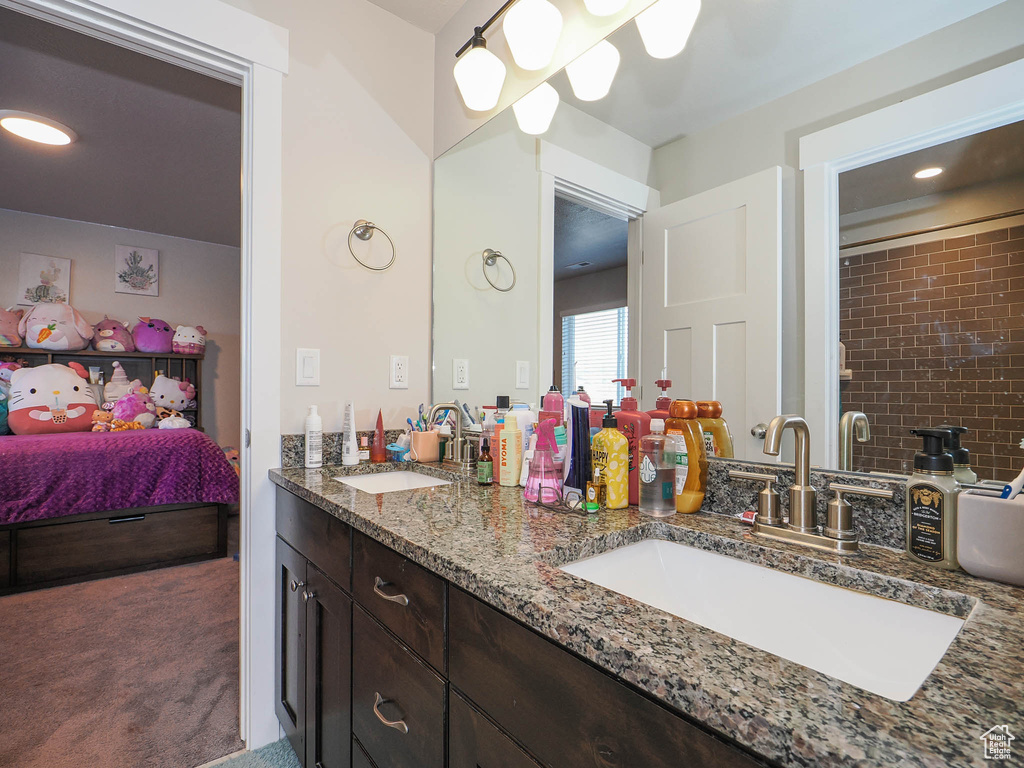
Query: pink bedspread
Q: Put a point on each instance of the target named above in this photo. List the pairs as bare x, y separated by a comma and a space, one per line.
45, 476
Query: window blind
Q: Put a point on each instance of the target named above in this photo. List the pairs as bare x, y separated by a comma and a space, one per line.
594, 351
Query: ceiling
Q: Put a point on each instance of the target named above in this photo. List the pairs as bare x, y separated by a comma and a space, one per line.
984, 157
744, 53
585, 235
429, 15
159, 147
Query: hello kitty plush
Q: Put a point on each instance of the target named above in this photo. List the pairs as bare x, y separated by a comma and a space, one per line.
55, 326
153, 335
112, 336
136, 406
50, 398
9, 320
171, 393
189, 341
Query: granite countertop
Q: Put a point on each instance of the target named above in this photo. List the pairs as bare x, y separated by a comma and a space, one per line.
487, 541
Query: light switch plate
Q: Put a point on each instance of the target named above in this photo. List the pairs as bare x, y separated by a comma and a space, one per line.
307, 367
460, 374
399, 372
522, 374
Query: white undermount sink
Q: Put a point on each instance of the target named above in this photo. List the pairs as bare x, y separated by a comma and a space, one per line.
882, 646
384, 482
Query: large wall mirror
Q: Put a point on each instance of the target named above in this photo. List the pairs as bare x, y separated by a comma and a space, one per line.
612, 246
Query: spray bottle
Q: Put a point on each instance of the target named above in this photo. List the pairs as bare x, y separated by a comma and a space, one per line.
544, 483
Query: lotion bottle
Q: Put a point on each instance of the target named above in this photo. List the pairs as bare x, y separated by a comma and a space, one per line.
314, 439
349, 442
609, 452
510, 456
932, 493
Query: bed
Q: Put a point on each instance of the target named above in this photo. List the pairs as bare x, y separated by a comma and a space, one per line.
84, 505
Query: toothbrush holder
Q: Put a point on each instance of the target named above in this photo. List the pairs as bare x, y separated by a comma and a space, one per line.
990, 537
424, 448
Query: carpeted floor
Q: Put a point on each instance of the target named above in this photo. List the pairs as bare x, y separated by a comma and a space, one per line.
276, 755
137, 671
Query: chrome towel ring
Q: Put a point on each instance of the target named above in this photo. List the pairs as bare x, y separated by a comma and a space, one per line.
364, 230
490, 258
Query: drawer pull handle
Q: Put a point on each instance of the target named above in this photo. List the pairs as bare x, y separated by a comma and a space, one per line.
378, 583
131, 519
398, 725
307, 595
296, 585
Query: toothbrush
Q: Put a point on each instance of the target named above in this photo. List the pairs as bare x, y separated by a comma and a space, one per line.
1012, 488
412, 426
469, 415
421, 412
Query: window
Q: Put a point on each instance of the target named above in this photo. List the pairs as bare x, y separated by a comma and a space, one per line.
594, 353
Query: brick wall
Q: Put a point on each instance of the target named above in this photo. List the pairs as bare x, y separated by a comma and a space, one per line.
934, 333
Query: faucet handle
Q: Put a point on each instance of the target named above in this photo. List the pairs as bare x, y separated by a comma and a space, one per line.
767, 498
839, 520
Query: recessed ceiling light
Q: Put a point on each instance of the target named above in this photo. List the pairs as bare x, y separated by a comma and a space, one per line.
927, 173
36, 127
580, 265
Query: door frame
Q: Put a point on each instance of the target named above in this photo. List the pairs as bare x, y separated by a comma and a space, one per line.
980, 103
222, 41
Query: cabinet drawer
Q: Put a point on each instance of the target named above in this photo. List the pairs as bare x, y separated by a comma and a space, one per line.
5, 558
67, 549
319, 536
563, 710
359, 758
474, 743
389, 683
408, 600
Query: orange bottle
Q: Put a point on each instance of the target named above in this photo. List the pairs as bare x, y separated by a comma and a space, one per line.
691, 463
717, 437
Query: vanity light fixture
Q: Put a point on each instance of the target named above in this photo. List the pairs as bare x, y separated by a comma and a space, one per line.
479, 74
535, 111
927, 173
665, 26
591, 75
36, 127
532, 29
604, 7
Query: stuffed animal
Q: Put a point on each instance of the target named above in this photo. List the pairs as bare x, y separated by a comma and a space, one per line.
102, 421
136, 406
50, 398
189, 341
6, 371
9, 320
153, 335
4, 429
55, 326
231, 454
173, 420
118, 386
118, 425
112, 336
172, 393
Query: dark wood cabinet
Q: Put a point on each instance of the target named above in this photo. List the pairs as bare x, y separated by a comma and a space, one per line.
290, 645
474, 742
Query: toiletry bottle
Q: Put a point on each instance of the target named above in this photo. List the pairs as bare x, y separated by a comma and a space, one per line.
717, 437
581, 393
597, 495
510, 458
499, 425
657, 472
544, 483
932, 493
578, 467
314, 439
664, 401
609, 450
364, 449
553, 400
378, 449
561, 444
526, 419
634, 425
961, 456
524, 472
349, 441
691, 466
485, 464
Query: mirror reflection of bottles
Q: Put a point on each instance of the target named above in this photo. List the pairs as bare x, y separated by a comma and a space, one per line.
657, 472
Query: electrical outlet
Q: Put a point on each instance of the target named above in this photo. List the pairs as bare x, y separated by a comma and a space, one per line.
460, 374
522, 374
399, 372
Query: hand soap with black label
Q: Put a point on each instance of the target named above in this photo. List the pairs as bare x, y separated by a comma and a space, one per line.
931, 503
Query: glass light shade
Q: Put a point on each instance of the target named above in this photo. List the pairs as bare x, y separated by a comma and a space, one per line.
36, 128
532, 29
604, 7
480, 75
665, 26
591, 75
536, 109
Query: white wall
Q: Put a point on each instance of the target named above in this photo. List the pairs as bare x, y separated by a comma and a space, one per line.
199, 285
358, 140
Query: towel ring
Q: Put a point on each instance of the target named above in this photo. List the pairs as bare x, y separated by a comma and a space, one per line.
490, 258
364, 230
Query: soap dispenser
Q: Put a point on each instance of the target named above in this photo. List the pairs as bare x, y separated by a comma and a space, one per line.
610, 454
663, 402
634, 425
961, 456
932, 493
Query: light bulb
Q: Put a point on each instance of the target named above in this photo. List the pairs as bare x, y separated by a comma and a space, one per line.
36, 128
532, 29
536, 109
927, 173
665, 26
480, 76
592, 73
604, 7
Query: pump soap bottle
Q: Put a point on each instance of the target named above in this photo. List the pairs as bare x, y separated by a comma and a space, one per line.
961, 456
663, 402
610, 453
634, 425
932, 493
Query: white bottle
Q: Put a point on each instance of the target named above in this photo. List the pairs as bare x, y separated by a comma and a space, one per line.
314, 439
349, 442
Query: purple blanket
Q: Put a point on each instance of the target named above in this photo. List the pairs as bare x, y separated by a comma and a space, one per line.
45, 476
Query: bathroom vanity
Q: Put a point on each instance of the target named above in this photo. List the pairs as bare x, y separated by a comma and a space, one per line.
436, 627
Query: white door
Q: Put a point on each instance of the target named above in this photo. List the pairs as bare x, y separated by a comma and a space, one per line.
712, 309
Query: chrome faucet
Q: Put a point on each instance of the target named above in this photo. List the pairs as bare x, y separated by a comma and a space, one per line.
853, 422
460, 448
803, 516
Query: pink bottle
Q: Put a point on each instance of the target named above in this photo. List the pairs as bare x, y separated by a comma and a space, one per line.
664, 401
545, 482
